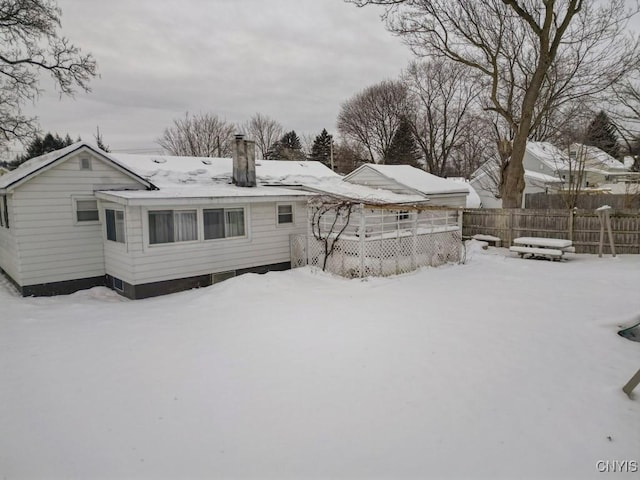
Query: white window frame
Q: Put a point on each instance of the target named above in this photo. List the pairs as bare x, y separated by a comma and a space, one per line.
224, 209
2, 200
293, 215
124, 226
4, 211
173, 210
77, 199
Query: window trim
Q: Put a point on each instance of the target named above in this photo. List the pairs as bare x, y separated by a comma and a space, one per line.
224, 216
293, 215
173, 211
4, 206
124, 226
85, 198
2, 200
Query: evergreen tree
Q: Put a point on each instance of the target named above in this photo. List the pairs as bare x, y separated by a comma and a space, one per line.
287, 148
41, 145
602, 134
321, 148
403, 149
100, 141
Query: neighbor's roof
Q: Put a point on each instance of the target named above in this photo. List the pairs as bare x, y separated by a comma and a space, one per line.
596, 157
414, 178
550, 155
169, 171
35, 165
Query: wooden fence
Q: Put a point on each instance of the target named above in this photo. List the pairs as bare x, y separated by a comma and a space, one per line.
548, 201
580, 226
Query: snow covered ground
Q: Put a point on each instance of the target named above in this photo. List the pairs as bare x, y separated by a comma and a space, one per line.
500, 368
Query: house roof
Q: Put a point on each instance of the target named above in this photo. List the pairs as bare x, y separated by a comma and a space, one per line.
414, 179
550, 155
38, 164
167, 171
596, 158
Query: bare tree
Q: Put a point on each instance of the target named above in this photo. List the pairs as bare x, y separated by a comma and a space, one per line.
532, 56
30, 45
442, 94
265, 131
203, 135
372, 116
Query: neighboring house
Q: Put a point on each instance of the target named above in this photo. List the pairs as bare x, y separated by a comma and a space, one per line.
407, 180
544, 169
601, 170
3, 171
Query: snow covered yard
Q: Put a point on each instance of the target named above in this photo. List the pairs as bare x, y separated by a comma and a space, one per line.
500, 368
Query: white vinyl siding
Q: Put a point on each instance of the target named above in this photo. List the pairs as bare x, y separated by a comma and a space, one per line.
51, 246
262, 244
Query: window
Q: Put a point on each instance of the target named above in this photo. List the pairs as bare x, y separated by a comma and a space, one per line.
117, 284
403, 215
169, 226
1, 211
285, 214
223, 223
115, 225
85, 164
86, 210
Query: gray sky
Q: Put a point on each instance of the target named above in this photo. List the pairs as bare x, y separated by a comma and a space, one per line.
294, 60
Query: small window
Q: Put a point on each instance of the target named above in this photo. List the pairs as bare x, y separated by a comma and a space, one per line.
169, 226
117, 284
85, 164
87, 210
115, 225
223, 223
285, 214
403, 215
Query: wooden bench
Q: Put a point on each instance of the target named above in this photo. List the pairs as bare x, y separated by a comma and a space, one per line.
551, 248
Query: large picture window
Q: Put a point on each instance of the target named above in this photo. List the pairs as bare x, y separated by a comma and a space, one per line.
115, 225
223, 223
169, 226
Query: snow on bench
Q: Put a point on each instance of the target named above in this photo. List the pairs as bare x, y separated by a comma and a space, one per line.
558, 243
495, 241
537, 252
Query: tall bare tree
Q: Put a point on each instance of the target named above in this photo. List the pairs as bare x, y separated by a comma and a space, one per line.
265, 131
30, 45
442, 94
372, 116
532, 55
203, 135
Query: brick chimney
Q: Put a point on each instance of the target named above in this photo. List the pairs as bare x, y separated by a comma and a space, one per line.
244, 162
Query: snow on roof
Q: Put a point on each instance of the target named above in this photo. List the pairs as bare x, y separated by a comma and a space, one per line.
596, 157
32, 165
549, 154
363, 193
541, 177
167, 171
416, 179
473, 199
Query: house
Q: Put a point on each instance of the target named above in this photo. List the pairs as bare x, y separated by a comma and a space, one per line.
80, 217
546, 169
407, 180
601, 170
146, 225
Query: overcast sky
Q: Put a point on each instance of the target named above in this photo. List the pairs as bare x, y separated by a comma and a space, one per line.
294, 60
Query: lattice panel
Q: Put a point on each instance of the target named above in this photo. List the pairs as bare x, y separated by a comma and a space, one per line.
381, 256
